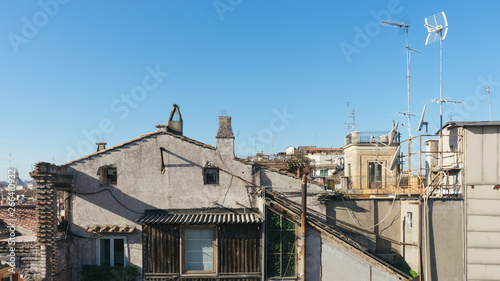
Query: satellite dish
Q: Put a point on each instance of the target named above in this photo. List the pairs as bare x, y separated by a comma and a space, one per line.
437, 26
392, 133
421, 123
395, 159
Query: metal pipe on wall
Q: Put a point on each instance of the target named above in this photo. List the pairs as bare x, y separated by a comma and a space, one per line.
303, 229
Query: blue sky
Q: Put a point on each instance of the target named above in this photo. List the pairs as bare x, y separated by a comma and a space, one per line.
72, 72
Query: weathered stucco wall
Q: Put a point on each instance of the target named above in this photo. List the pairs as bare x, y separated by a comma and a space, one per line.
382, 216
445, 247
339, 264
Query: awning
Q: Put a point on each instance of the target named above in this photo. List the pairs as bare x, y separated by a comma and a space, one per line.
197, 216
110, 229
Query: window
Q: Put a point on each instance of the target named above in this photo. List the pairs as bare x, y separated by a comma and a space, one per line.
323, 172
199, 249
280, 246
211, 175
375, 175
109, 176
349, 169
409, 219
111, 251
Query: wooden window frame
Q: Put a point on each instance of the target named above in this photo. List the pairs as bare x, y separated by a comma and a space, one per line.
104, 175
215, 247
217, 181
378, 167
111, 249
296, 231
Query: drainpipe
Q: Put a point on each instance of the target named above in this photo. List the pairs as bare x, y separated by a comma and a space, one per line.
263, 252
303, 229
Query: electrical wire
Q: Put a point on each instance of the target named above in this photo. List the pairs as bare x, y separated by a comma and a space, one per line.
112, 195
383, 219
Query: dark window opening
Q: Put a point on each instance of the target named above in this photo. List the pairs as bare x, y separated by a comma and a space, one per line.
211, 175
375, 175
111, 176
280, 237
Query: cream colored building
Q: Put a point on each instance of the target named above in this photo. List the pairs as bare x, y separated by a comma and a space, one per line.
368, 158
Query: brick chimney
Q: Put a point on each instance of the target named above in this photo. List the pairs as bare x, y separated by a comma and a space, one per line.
101, 146
225, 137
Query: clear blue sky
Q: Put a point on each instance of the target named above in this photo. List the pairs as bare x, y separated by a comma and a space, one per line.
68, 66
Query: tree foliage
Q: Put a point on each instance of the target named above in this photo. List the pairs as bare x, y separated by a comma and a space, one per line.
297, 160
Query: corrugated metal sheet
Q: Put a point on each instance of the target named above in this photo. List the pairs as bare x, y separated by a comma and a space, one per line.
220, 218
483, 232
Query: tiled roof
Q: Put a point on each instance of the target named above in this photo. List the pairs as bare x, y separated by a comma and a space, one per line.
26, 222
111, 229
209, 216
322, 149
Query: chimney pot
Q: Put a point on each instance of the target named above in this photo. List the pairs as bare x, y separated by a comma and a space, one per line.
225, 130
162, 127
101, 146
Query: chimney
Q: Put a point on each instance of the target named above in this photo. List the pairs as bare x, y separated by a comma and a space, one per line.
225, 137
101, 146
175, 126
162, 128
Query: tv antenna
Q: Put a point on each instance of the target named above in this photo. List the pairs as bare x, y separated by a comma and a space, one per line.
350, 126
437, 26
402, 24
489, 100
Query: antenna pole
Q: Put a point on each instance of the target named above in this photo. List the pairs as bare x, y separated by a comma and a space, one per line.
409, 113
408, 78
348, 118
441, 86
489, 100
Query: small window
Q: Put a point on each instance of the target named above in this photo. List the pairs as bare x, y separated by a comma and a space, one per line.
109, 176
111, 251
409, 219
323, 172
199, 249
211, 175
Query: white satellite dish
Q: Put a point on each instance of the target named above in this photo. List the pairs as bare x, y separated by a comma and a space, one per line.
393, 133
395, 159
437, 26
422, 123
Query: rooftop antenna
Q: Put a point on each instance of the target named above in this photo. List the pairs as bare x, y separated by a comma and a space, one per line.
437, 26
489, 100
350, 126
402, 24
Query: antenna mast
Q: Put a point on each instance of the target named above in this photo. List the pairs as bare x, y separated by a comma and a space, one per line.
350, 126
437, 25
489, 100
408, 50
